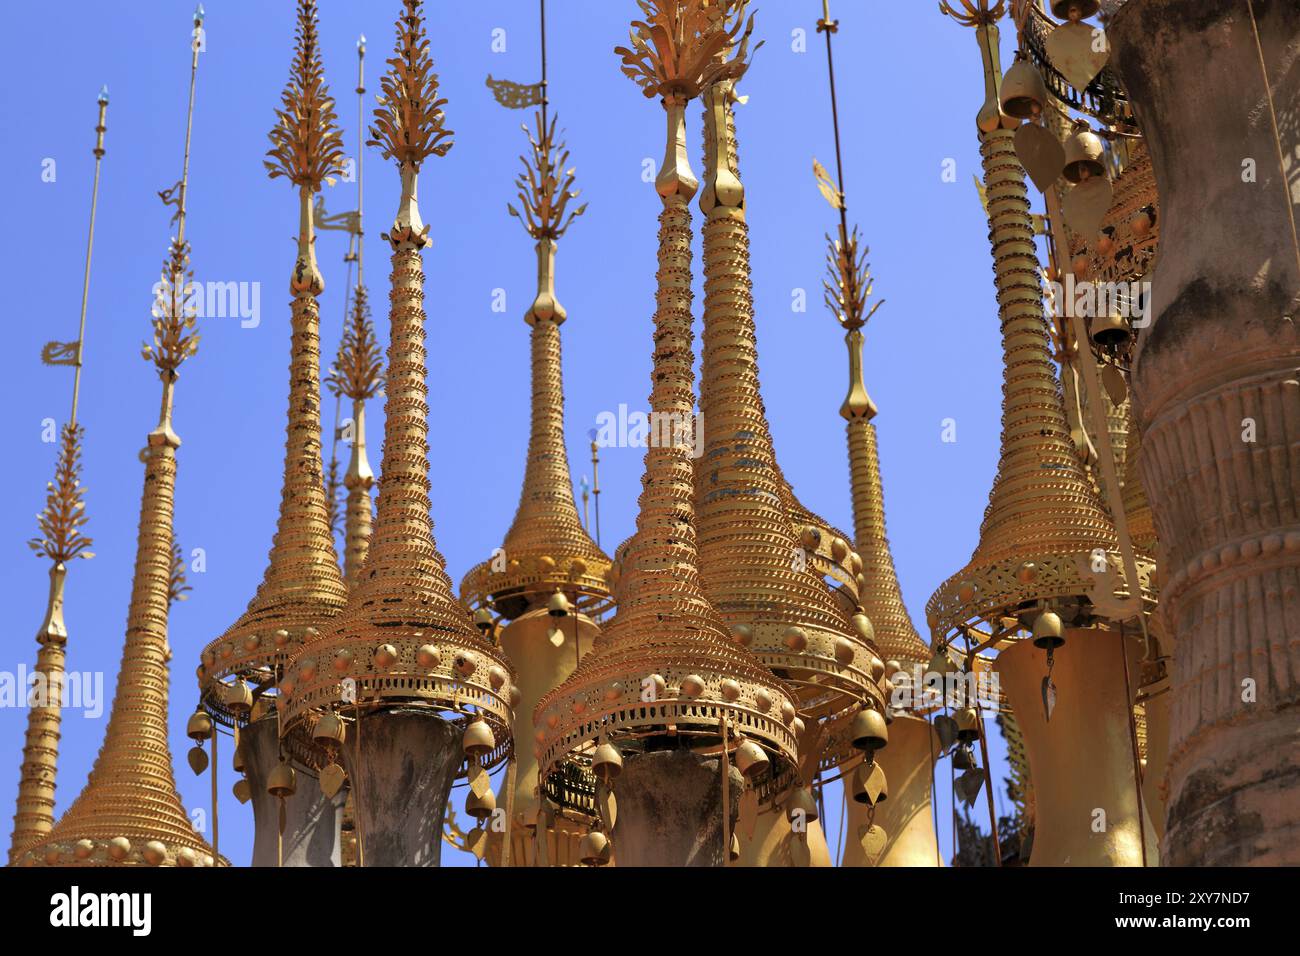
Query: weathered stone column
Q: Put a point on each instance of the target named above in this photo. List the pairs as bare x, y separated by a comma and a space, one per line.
670, 810
1218, 395
1081, 761
401, 783
311, 833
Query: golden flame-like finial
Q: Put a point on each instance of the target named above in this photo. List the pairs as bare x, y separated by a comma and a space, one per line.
848, 284
976, 13
306, 144
409, 121
174, 316
65, 508
679, 48
545, 186
357, 372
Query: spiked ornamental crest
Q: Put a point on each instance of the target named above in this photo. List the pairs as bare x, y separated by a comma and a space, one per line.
357, 372
65, 508
174, 318
409, 121
678, 49
848, 284
545, 186
306, 144
975, 13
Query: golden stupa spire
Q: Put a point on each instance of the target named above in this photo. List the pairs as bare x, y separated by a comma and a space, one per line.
61, 541
848, 289
751, 564
301, 588
668, 646
357, 373
403, 637
546, 547
129, 812
1045, 536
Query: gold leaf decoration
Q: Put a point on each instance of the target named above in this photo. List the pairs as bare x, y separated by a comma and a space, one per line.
675, 51
174, 338
357, 371
515, 96
848, 284
306, 145
64, 514
829, 189
409, 120
545, 186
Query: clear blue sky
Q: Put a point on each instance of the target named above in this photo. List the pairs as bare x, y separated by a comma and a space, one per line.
910, 85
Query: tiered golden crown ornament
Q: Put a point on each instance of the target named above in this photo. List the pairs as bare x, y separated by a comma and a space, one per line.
548, 579
62, 541
404, 645
129, 813
666, 675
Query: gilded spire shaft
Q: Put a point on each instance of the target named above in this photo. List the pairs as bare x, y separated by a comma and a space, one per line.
61, 541
301, 587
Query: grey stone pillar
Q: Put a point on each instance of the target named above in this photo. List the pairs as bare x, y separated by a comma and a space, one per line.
408, 761
311, 833
670, 810
1217, 390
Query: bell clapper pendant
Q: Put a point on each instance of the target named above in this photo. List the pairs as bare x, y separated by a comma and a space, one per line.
1049, 688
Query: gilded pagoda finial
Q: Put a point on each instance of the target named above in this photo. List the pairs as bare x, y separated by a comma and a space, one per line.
975, 13
306, 144
358, 371
64, 514
680, 47
848, 285
545, 186
409, 121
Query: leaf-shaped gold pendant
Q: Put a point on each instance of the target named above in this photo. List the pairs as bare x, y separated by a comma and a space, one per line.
1113, 379
872, 839
332, 779
797, 843
476, 842
198, 758
1085, 206
1041, 154
946, 728
479, 781
242, 790
1079, 51
873, 783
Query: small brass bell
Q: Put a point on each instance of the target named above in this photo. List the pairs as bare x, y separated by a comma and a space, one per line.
558, 605
481, 807
237, 761
199, 726
868, 730
483, 619
801, 802
593, 850
239, 697
1023, 90
1074, 9
1048, 633
751, 759
1083, 154
329, 729
968, 725
479, 741
283, 782
1110, 331
607, 763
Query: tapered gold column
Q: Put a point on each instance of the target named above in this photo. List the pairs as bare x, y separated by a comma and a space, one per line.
665, 685
1086, 803
423, 695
